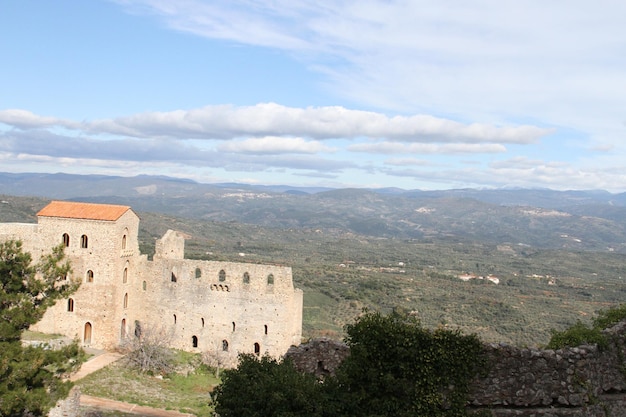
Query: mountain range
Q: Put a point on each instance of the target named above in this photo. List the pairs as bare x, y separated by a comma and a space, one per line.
592, 220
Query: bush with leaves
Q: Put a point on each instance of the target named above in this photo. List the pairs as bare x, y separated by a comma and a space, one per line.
398, 368
581, 334
265, 387
395, 368
31, 377
578, 334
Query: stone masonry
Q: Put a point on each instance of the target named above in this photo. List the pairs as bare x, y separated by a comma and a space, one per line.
217, 308
583, 381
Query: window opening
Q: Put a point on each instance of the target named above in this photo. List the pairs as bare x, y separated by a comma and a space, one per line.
270, 279
173, 277
265, 326
126, 300
87, 333
125, 276
198, 272
123, 330
246, 278
257, 349
124, 242
90, 276
137, 329
194, 341
84, 241
144, 285
222, 275
66, 240
174, 318
202, 321
233, 326
225, 345
70, 304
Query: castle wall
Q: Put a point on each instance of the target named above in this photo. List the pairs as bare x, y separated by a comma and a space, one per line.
219, 308
203, 311
98, 254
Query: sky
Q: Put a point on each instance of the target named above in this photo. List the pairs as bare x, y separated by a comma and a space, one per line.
364, 93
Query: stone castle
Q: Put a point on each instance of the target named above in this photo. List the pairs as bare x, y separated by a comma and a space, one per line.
221, 308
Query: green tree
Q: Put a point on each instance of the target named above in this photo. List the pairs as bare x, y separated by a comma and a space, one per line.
398, 368
31, 377
265, 387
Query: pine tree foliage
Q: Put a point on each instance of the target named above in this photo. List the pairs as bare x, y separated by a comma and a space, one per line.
31, 377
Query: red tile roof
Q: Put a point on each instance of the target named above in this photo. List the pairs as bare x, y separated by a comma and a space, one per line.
89, 211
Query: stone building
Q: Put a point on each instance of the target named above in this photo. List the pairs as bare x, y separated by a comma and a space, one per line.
221, 308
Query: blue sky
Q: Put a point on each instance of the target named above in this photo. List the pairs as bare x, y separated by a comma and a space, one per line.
410, 94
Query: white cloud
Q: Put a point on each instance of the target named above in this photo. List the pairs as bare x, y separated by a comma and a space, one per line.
557, 62
271, 119
273, 145
426, 148
25, 119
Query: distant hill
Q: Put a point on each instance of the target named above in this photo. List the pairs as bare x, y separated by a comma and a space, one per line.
573, 220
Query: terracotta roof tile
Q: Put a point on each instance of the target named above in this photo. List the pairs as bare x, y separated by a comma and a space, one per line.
88, 211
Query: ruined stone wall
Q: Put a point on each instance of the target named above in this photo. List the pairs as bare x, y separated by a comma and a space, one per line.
253, 308
575, 382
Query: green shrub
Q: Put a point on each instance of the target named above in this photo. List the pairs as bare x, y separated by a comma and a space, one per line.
578, 334
610, 317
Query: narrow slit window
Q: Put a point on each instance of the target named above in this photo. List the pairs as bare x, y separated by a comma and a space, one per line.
246, 278
70, 305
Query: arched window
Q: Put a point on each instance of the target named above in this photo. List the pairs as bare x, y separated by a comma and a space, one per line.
194, 341
270, 279
66, 240
137, 328
198, 272
124, 242
234, 326
222, 275
126, 300
257, 349
144, 285
89, 276
125, 276
123, 330
265, 327
246, 278
225, 345
70, 304
87, 333
84, 242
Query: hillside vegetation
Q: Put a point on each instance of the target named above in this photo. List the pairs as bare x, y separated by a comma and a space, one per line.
351, 249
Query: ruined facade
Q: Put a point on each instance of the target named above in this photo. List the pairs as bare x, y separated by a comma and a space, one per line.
220, 308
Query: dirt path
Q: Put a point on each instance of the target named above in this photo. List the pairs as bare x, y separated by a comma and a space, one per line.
106, 404
99, 361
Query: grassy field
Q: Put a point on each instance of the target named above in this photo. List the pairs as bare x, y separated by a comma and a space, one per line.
186, 392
